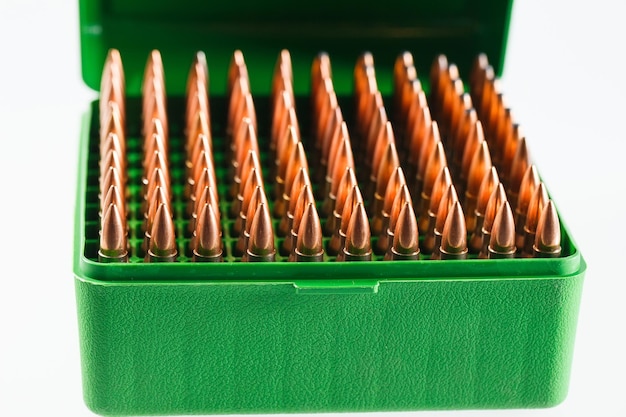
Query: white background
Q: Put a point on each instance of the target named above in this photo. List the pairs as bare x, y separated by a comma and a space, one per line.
564, 78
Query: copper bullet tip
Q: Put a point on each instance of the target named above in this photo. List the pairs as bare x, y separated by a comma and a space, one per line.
454, 235
448, 200
529, 183
488, 184
357, 246
113, 240
396, 181
435, 163
497, 198
537, 203
440, 186
381, 147
247, 141
299, 182
298, 160
305, 197
388, 164
250, 161
309, 242
385, 238
480, 165
162, 246
519, 165
402, 197
548, 235
343, 159
405, 244
502, 241
345, 186
261, 241
113, 196
208, 241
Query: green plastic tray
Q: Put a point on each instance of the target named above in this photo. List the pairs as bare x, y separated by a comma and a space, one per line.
187, 338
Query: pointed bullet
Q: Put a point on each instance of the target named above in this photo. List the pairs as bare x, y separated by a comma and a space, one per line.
336, 242
475, 223
155, 141
162, 246
405, 245
251, 161
435, 163
497, 198
329, 155
527, 188
388, 164
202, 143
283, 102
205, 179
113, 83
113, 196
309, 247
342, 161
461, 122
438, 80
111, 178
113, 126
333, 132
453, 102
357, 246
509, 150
301, 179
198, 76
254, 180
434, 241
205, 195
246, 140
348, 181
257, 197
477, 77
237, 105
385, 238
535, 207
519, 165
297, 160
282, 71
261, 242
548, 235
286, 147
112, 159
207, 237
403, 62
427, 149
427, 223
305, 197
480, 166
159, 196
237, 70
113, 238
378, 129
502, 240
380, 221
475, 138
454, 235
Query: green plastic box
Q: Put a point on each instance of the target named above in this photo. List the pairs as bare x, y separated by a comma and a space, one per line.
186, 338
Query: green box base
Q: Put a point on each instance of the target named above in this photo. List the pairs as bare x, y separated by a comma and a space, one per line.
187, 338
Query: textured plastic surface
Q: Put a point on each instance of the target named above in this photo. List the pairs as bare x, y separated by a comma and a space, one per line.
343, 28
283, 337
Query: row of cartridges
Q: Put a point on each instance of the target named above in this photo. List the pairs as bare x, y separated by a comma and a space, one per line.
416, 175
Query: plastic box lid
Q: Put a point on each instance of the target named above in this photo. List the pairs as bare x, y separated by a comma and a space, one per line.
344, 29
